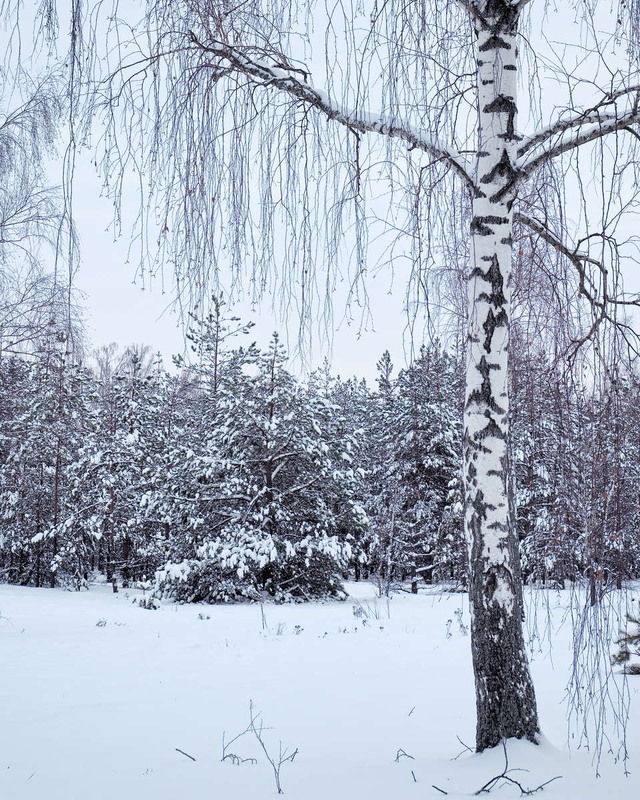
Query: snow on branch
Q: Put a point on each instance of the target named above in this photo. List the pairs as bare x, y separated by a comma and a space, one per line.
593, 123
294, 81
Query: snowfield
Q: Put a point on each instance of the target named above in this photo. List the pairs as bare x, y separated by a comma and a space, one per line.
99, 696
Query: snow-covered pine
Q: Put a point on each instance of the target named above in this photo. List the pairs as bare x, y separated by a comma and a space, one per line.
383, 553
628, 653
415, 441
428, 454
40, 441
104, 528
352, 420
270, 494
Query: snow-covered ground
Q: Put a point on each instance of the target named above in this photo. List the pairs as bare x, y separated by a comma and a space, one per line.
97, 694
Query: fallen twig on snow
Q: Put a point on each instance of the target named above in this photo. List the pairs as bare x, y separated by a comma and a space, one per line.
504, 776
402, 753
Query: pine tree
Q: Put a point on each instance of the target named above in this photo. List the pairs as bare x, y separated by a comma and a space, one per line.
105, 528
45, 436
628, 653
270, 516
415, 498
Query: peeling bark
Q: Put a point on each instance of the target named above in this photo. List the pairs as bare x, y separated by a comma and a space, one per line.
505, 699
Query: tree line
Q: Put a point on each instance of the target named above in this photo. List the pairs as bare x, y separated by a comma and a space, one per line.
229, 478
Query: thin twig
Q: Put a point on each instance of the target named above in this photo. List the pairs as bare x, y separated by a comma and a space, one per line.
504, 776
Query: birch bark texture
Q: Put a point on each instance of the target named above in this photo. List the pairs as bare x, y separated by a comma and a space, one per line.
505, 698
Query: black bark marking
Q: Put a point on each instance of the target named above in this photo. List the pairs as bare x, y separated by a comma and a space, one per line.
480, 224
497, 572
492, 322
494, 277
479, 506
492, 428
494, 43
484, 395
479, 228
503, 169
506, 189
500, 105
504, 105
489, 327
504, 14
510, 66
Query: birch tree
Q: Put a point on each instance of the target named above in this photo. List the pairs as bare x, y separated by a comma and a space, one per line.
32, 214
273, 142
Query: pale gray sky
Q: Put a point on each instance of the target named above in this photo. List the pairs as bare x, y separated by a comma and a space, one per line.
121, 307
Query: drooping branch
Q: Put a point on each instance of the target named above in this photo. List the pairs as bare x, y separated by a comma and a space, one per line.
295, 83
587, 286
587, 126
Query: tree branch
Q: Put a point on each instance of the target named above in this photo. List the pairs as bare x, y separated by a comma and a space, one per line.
589, 125
599, 299
294, 82
472, 9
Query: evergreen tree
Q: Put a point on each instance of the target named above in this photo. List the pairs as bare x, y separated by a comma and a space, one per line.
628, 653
415, 504
271, 515
42, 442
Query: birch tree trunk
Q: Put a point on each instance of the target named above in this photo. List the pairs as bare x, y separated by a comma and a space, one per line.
505, 698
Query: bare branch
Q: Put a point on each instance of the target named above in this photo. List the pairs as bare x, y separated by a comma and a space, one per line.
593, 114
598, 297
504, 776
178, 750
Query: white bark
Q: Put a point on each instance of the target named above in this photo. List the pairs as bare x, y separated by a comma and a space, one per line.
504, 692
